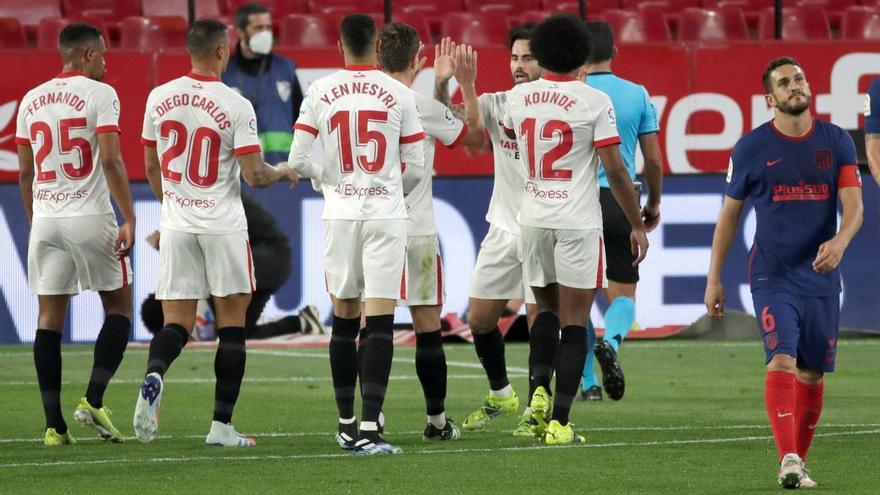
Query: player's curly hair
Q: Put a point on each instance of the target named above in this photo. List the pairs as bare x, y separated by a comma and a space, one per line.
773, 65
561, 43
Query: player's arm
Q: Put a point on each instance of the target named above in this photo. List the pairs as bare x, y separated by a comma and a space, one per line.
26, 178
622, 189
153, 170
466, 75
872, 150
444, 69
653, 173
257, 173
831, 252
117, 181
725, 229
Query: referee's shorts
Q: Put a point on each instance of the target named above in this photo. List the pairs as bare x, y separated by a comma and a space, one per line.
617, 230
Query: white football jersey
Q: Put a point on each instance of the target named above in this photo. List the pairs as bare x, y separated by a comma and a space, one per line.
61, 119
368, 126
509, 174
559, 123
199, 127
439, 124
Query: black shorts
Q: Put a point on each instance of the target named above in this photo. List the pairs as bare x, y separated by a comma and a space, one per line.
617, 246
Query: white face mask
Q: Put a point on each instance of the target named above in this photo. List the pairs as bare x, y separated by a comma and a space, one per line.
261, 43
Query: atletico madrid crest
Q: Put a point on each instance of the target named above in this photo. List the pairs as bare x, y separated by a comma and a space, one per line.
824, 159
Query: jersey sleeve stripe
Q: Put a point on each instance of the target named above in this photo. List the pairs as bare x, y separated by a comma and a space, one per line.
246, 150
148, 142
307, 128
412, 138
458, 139
849, 177
101, 129
22, 141
607, 142
510, 133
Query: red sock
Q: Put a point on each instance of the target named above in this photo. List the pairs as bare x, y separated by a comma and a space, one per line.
779, 397
809, 407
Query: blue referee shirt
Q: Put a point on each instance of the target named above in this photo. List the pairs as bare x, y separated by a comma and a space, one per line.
635, 113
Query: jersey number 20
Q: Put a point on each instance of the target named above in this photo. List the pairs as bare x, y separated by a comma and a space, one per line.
205, 143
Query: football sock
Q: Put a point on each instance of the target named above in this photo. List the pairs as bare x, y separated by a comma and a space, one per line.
165, 347
808, 408
346, 421
588, 377
47, 360
572, 352
109, 349
618, 320
779, 397
361, 349
543, 344
229, 363
438, 420
431, 370
504, 393
490, 351
377, 365
344, 362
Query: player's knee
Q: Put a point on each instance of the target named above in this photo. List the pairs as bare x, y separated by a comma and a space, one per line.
782, 362
810, 377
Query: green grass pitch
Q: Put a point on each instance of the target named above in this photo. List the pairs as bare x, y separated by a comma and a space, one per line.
692, 421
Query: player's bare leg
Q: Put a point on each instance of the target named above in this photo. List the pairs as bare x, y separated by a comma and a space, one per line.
344, 358
47, 361
109, 350
431, 370
229, 366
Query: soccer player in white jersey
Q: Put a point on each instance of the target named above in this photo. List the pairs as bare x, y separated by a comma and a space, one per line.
399, 57
369, 128
199, 136
498, 275
69, 166
563, 127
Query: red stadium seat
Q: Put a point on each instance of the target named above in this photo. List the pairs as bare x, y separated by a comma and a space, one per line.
12, 33
346, 6
29, 12
727, 24
335, 18
418, 21
475, 29
509, 7
153, 33
204, 8
50, 29
533, 16
860, 22
639, 26
278, 8
307, 30
109, 10
668, 6
745, 5
594, 7
798, 24
428, 7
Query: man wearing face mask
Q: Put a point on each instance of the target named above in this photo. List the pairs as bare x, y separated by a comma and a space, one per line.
266, 79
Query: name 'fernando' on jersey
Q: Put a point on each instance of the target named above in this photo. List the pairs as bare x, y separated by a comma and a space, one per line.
199, 126
61, 119
559, 123
364, 118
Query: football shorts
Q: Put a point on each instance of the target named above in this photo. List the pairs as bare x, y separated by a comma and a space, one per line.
196, 266
365, 258
498, 273
573, 258
424, 272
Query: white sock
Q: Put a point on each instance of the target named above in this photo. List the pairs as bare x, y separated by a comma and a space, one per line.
503, 393
369, 426
438, 420
348, 421
381, 419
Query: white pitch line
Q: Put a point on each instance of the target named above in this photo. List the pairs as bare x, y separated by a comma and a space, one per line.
297, 434
655, 443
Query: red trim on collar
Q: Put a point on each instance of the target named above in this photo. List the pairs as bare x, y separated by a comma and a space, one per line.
199, 77
73, 73
361, 67
557, 78
806, 136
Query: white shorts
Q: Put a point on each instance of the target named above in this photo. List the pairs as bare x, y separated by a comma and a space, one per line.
64, 251
424, 272
365, 258
196, 266
499, 270
573, 258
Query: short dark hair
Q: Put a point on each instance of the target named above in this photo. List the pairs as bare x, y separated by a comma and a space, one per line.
358, 33
773, 65
203, 36
560, 43
76, 34
601, 41
244, 13
520, 32
399, 44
